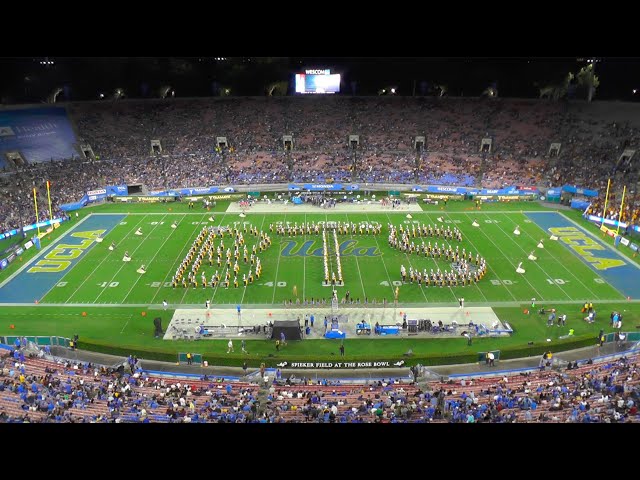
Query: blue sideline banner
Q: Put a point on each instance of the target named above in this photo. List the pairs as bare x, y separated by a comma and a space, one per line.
579, 191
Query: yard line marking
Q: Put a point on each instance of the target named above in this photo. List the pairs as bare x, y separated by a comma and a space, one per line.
468, 237
126, 323
384, 264
538, 296
150, 261
98, 266
223, 273
536, 263
443, 241
45, 250
123, 263
560, 262
364, 292
410, 265
215, 289
333, 287
304, 262
179, 259
275, 280
245, 288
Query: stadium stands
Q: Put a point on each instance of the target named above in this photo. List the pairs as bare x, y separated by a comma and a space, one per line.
120, 133
37, 389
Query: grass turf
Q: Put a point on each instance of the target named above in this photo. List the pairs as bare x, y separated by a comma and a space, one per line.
557, 278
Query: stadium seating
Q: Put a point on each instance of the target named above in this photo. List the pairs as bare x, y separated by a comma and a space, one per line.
59, 390
592, 137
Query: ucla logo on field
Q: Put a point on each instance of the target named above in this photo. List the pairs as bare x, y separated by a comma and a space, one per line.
308, 249
61, 256
586, 247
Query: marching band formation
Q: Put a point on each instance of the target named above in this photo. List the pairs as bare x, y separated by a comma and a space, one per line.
466, 268
315, 228
204, 249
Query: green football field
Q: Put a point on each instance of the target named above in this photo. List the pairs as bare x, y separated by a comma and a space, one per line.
118, 299
294, 265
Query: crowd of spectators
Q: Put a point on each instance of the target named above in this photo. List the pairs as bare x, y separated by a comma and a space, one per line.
41, 388
521, 131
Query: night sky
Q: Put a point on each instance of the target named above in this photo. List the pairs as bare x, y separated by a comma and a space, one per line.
31, 79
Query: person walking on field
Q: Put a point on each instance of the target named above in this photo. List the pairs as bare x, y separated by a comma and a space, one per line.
230, 346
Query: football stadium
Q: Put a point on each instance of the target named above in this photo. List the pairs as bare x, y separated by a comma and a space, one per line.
318, 256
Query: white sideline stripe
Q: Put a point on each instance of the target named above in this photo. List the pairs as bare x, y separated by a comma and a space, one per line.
232, 305
46, 249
